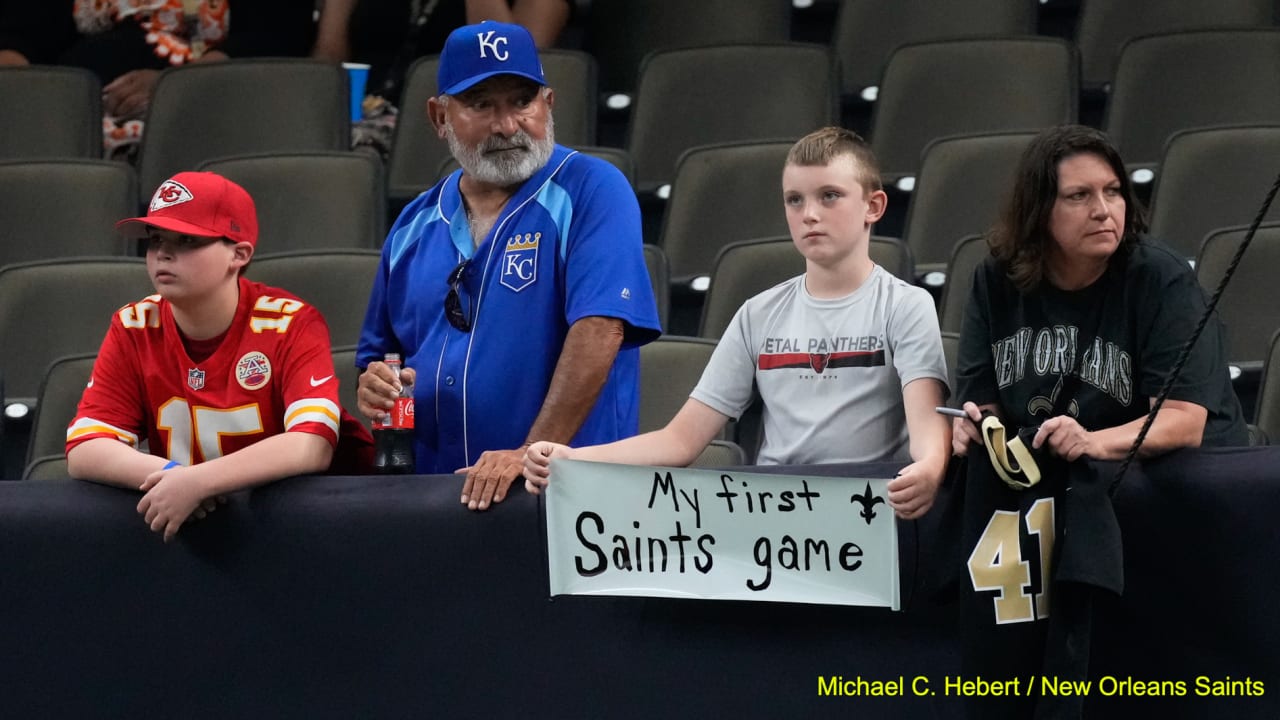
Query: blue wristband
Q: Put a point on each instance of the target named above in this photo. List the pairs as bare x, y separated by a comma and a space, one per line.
172, 464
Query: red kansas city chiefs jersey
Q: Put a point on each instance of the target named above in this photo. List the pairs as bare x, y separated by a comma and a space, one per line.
272, 373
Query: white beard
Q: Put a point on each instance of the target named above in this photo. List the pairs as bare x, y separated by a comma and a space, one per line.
505, 169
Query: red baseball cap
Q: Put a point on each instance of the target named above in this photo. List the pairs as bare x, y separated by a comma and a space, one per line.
202, 204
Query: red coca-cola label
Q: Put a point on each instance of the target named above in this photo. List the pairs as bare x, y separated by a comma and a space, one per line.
402, 414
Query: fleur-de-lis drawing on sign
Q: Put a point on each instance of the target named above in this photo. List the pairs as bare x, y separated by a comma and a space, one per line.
868, 500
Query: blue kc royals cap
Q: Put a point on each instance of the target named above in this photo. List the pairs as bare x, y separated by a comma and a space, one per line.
478, 52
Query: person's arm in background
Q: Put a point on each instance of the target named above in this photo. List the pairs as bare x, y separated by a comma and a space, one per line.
263, 28
333, 43
544, 19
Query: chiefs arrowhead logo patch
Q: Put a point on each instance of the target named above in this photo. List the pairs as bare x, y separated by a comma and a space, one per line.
170, 193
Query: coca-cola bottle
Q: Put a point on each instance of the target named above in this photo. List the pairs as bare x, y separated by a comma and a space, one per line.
393, 434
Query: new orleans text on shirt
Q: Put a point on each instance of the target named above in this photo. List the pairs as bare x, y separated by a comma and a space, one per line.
1052, 351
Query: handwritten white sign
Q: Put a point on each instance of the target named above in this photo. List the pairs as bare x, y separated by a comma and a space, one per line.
720, 535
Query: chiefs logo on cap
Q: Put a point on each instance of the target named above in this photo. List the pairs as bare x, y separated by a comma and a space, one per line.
170, 193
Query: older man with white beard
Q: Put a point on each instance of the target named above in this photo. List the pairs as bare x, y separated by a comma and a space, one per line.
515, 289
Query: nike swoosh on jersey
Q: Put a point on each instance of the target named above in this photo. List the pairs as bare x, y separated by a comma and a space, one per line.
321, 381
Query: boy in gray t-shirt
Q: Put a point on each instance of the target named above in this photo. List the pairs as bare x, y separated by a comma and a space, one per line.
848, 359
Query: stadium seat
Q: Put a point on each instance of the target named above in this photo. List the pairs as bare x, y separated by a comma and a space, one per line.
64, 208
1267, 416
963, 87
738, 93
720, 454
1178, 81
670, 368
50, 112
655, 261
335, 282
1213, 178
951, 351
966, 255
59, 396
893, 255
621, 32
418, 153
48, 467
313, 200
53, 308
721, 193
742, 270
1250, 318
203, 111
748, 268
963, 180
868, 31
1105, 25
344, 364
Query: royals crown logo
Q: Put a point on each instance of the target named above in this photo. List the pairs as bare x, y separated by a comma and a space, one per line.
520, 261
527, 241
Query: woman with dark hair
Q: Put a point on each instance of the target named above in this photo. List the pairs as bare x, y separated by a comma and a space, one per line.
1076, 319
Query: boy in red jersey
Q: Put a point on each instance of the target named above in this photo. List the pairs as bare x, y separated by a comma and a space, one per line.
230, 382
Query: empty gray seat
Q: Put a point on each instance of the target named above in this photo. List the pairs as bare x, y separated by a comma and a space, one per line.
962, 183
738, 93
1105, 25
964, 87
721, 194
203, 111
64, 208
1250, 315
670, 368
868, 31
53, 308
621, 32
1178, 81
50, 112
60, 390
1212, 178
312, 201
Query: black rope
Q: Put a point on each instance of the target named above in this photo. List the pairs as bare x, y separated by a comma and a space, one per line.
1195, 335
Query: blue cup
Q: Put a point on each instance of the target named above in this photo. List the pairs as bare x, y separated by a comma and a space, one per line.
358, 73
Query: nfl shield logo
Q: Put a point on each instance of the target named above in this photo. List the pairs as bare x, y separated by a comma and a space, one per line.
195, 378
520, 261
